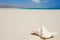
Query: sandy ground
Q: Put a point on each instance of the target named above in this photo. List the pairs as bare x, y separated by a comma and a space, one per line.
17, 24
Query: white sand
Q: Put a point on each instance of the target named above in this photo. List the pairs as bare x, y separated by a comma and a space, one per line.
17, 24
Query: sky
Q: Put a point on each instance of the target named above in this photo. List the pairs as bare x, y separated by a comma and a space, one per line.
32, 3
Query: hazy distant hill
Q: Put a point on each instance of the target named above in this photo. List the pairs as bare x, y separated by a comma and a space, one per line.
10, 6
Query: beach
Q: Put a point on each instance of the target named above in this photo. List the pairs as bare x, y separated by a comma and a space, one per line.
17, 24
